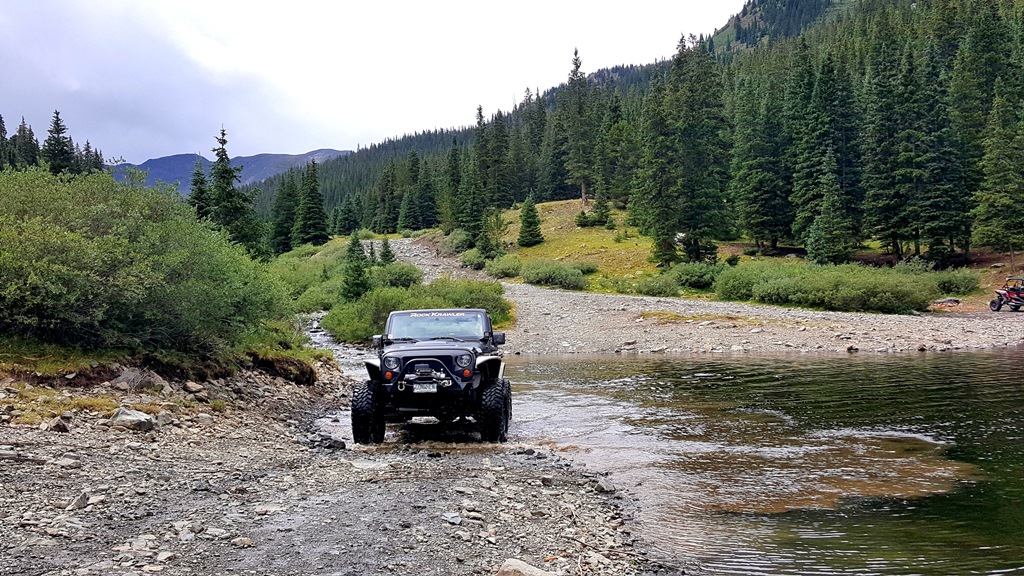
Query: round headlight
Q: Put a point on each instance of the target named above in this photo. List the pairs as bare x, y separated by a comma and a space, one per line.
391, 363
464, 360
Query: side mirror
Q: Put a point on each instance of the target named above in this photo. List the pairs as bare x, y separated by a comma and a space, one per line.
378, 342
498, 338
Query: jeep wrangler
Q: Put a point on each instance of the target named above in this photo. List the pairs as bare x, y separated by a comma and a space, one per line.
440, 363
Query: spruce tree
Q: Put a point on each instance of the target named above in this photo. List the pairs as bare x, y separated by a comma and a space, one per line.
4, 154
999, 221
232, 209
200, 196
58, 149
387, 256
355, 280
830, 236
529, 220
286, 204
310, 218
24, 148
579, 141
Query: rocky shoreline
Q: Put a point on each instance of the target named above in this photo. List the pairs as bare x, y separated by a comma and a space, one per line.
271, 484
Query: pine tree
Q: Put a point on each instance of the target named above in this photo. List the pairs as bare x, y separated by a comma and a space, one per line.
286, 204
387, 256
999, 221
58, 149
830, 237
529, 231
579, 142
232, 209
24, 148
200, 196
310, 218
355, 280
5, 159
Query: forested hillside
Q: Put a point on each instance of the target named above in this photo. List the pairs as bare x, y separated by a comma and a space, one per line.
890, 120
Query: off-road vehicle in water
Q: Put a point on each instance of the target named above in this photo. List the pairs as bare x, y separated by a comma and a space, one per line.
440, 363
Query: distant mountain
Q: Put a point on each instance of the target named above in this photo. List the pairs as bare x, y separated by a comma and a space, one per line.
178, 168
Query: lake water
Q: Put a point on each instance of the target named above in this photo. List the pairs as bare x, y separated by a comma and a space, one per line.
860, 464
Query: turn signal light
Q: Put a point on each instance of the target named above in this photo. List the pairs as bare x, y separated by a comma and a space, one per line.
466, 373
388, 375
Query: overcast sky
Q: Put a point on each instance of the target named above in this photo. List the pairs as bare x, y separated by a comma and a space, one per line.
145, 79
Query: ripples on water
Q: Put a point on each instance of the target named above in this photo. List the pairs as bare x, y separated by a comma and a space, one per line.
801, 465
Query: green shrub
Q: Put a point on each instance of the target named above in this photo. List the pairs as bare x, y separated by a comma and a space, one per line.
585, 268
364, 234
405, 233
507, 266
457, 242
93, 262
358, 321
472, 258
396, 274
658, 285
848, 287
957, 282
552, 273
733, 259
696, 275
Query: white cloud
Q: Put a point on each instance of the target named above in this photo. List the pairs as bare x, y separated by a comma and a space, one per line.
151, 79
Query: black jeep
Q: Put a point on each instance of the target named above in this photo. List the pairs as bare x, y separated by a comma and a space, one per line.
440, 363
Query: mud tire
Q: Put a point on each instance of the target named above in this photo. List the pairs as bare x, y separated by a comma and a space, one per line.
1014, 307
995, 305
494, 407
368, 425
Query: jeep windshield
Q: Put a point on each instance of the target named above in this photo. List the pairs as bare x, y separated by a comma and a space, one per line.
437, 324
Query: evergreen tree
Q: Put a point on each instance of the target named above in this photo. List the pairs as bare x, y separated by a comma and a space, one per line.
529, 220
355, 280
200, 196
830, 237
24, 148
5, 159
58, 149
232, 209
286, 204
449, 192
387, 256
310, 219
579, 142
385, 220
999, 221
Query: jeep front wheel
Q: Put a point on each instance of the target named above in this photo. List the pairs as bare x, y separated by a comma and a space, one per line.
367, 422
494, 411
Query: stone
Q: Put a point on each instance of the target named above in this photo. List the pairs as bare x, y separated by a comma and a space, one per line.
204, 419
132, 419
514, 567
452, 518
58, 424
128, 379
193, 387
547, 481
242, 542
80, 502
605, 485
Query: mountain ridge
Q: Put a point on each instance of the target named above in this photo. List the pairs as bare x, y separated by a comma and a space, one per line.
177, 168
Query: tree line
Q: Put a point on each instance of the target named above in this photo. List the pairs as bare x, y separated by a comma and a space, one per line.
892, 122
58, 152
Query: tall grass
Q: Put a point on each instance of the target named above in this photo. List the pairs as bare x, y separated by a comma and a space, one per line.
850, 287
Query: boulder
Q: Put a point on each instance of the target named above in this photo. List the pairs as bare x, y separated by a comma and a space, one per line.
131, 419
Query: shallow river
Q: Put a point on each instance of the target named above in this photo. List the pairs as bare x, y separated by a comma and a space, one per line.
860, 464
909, 464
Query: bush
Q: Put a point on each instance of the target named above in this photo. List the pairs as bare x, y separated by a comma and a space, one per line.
457, 242
358, 321
585, 268
472, 258
551, 273
364, 234
507, 266
850, 288
89, 261
733, 259
957, 282
696, 275
659, 285
397, 275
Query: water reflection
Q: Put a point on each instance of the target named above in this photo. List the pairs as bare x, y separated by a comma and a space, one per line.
802, 465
